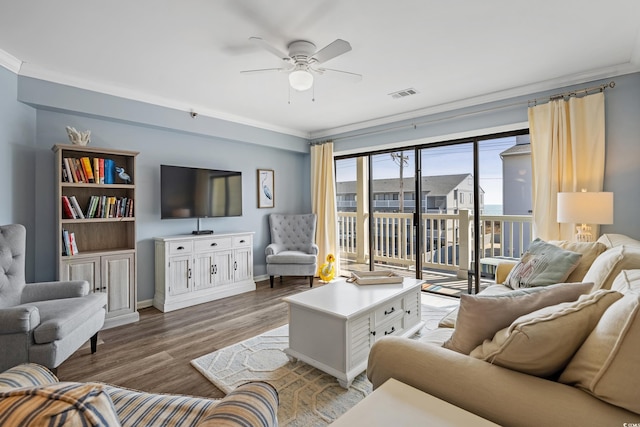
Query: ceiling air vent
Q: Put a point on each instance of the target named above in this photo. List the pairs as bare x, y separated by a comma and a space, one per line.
403, 93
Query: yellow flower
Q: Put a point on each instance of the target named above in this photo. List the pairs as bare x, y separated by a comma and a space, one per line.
331, 258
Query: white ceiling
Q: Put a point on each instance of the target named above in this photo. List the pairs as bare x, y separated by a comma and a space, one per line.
188, 54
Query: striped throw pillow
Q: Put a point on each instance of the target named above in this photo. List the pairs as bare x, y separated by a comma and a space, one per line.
253, 404
26, 375
60, 404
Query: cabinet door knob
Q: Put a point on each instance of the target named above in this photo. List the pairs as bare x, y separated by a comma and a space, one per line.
373, 333
408, 311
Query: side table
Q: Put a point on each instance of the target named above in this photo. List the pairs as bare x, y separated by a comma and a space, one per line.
398, 404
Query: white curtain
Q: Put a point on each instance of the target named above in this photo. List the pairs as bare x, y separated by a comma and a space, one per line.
567, 155
323, 202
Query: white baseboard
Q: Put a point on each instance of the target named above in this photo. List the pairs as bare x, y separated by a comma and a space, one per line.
144, 304
149, 302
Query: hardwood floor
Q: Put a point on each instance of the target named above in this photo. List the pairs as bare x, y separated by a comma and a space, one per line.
154, 354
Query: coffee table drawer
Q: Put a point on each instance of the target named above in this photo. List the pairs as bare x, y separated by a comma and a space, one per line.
387, 311
394, 327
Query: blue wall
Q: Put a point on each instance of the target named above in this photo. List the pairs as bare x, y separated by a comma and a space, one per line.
162, 136
17, 162
622, 117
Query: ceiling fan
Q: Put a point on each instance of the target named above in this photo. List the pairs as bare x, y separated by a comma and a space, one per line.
303, 59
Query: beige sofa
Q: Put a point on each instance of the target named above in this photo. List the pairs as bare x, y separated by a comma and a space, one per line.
596, 384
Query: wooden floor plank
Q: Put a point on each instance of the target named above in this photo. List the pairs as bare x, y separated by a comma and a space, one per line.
154, 354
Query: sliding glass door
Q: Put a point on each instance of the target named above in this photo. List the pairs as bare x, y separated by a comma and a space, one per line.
448, 195
393, 207
418, 210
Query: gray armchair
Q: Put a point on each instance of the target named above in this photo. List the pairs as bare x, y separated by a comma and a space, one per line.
292, 251
44, 322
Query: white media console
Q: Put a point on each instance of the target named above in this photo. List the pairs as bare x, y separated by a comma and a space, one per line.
193, 269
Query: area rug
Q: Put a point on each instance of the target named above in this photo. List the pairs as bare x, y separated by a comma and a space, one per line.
443, 290
308, 396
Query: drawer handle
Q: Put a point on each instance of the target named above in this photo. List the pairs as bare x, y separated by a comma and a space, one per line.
189, 273
393, 309
214, 244
235, 265
211, 270
393, 329
180, 248
242, 241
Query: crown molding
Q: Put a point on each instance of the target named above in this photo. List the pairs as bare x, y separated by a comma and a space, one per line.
29, 70
10, 62
552, 84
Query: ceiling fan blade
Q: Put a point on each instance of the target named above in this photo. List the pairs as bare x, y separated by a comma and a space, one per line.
351, 76
270, 48
264, 70
330, 51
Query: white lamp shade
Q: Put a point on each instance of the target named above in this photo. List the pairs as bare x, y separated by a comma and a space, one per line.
585, 208
301, 80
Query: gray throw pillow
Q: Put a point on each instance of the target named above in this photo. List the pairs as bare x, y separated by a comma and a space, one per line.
543, 264
481, 316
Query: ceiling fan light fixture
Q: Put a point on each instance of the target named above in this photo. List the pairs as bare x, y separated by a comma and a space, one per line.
301, 79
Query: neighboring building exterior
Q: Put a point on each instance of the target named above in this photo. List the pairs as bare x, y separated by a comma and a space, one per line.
517, 190
445, 194
516, 178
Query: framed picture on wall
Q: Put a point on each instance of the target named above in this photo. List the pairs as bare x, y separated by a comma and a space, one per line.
266, 190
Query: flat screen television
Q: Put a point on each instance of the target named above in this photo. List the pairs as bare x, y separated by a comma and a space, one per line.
199, 193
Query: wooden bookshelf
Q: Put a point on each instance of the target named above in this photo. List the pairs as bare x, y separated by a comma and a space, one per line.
106, 246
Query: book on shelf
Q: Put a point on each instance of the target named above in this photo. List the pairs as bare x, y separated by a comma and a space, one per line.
66, 247
73, 244
67, 169
69, 244
86, 168
80, 171
76, 207
67, 209
109, 171
101, 170
96, 170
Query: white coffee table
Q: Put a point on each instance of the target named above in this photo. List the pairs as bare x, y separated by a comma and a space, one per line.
397, 404
334, 326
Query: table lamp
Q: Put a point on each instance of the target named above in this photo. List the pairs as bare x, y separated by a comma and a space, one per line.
585, 208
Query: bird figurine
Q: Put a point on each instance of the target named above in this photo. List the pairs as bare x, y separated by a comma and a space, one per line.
328, 270
123, 175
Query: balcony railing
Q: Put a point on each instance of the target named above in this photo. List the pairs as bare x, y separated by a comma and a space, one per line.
447, 240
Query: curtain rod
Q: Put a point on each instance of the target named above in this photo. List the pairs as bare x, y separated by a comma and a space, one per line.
415, 125
325, 141
571, 93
